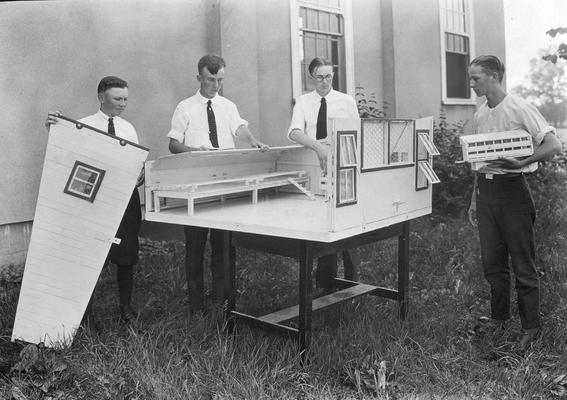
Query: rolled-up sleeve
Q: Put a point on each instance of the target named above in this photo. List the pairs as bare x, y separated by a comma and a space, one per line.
179, 124
352, 109
536, 125
235, 120
298, 117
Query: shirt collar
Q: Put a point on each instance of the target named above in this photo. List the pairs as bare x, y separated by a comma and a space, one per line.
102, 115
204, 100
328, 95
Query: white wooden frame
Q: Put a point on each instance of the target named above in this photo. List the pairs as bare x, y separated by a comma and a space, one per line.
490, 146
472, 46
281, 192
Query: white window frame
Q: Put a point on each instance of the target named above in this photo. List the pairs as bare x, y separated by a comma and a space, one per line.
345, 9
470, 34
348, 180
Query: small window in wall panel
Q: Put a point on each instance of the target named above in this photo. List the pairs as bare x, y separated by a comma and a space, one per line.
84, 181
427, 170
401, 142
374, 140
348, 150
347, 185
425, 149
421, 181
387, 144
346, 168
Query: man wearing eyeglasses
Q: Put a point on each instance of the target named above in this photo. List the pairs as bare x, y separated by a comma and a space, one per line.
311, 111
207, 121
309, 128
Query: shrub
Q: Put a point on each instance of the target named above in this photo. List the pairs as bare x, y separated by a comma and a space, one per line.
549, 191
368, 106
451, 197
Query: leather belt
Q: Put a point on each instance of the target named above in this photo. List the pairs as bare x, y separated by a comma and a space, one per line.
500, 176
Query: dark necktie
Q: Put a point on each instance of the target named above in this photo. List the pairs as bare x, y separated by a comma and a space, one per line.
212, 125
322, 120
111, 130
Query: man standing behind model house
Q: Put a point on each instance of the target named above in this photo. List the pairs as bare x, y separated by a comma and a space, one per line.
207, 121
309, 128
112, 94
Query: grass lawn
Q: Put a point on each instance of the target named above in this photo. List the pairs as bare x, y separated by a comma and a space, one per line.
360, 350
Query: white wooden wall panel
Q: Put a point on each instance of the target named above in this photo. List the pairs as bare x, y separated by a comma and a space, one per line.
71, 236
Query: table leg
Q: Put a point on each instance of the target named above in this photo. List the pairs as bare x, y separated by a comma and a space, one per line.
403, 270
229, 261
305, 293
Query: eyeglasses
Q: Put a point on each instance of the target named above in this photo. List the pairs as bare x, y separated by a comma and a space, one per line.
321, 78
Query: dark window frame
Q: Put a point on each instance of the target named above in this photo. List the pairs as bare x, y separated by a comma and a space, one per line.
389, 164
73, 178
350, 167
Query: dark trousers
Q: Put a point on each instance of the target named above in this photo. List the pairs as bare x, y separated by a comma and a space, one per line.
327, 269
195, 241
125, 254
125, 280
506, 216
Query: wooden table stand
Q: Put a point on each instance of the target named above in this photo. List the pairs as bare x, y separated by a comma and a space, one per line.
305, 252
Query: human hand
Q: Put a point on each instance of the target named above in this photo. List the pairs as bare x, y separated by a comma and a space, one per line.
52, 118
141, 178
321, 151
472, 215
262, 146
507, 163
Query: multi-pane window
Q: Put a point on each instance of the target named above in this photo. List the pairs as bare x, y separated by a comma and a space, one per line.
84, 181
346, 176
456, 38
321, 34
386, 143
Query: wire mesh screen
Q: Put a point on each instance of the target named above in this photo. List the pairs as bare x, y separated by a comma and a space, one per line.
374, 143
401, 142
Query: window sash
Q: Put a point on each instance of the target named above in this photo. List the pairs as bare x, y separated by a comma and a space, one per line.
321, 34
428, 171
428, 143
346, 186
457, 42
346, 167
455, 16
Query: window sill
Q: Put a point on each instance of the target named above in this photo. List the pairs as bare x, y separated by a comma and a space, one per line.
456, 102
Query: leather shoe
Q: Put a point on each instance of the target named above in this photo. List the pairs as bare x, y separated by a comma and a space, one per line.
127, 314
491, 327
527, 337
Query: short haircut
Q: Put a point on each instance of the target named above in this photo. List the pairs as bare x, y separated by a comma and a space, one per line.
109, 82
318, 62
212, 62
490, 65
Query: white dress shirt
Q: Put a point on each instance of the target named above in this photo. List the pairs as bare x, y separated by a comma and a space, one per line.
510, 114
190, 125
122, 128
306, 110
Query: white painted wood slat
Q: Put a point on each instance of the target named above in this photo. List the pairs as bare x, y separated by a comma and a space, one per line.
71, 236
